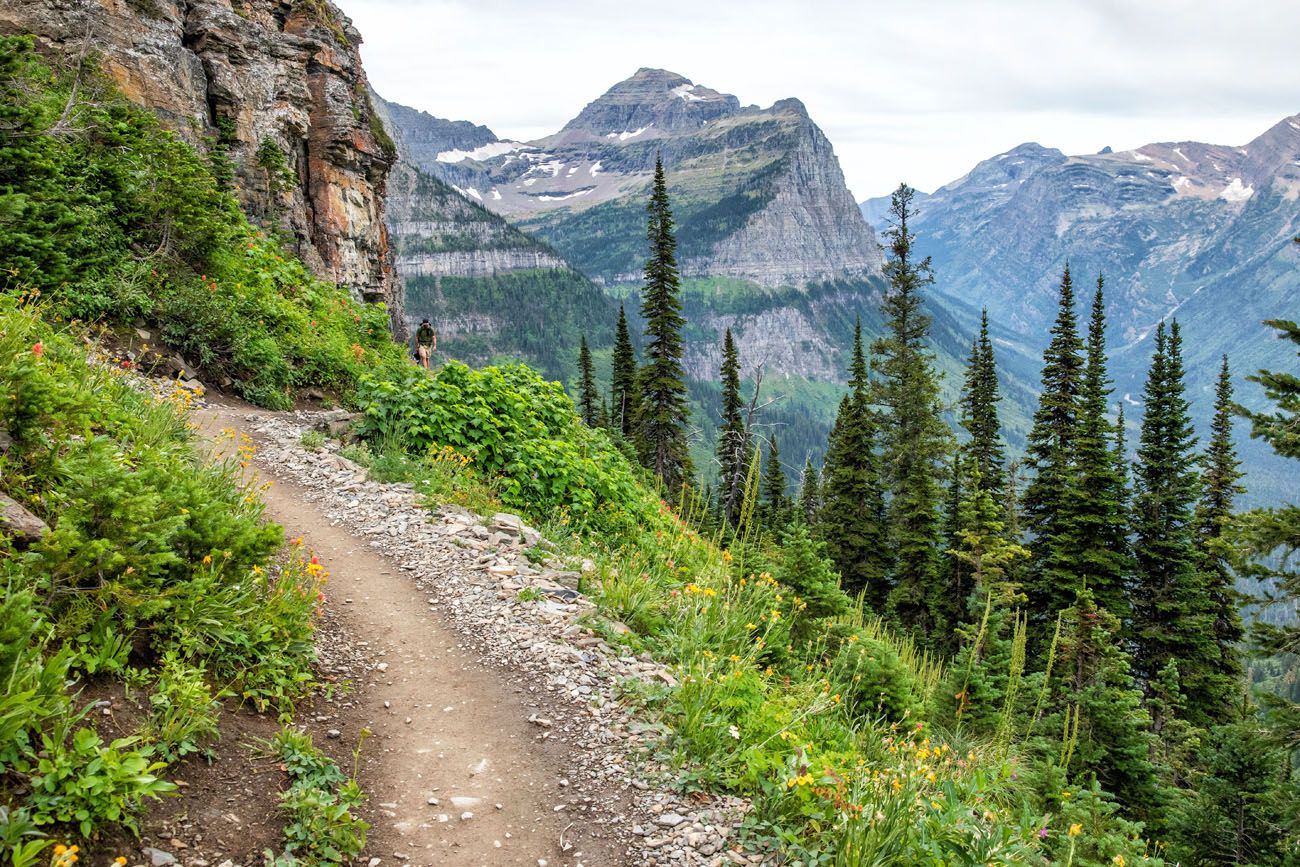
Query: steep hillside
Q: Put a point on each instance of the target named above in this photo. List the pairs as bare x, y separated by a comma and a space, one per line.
274, 91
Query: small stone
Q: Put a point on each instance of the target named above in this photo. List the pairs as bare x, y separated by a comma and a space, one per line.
158, 857
334, 734
466, 816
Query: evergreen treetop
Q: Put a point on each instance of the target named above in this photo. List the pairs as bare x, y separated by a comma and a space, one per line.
588, 403
624, 396
663, 410
914, 438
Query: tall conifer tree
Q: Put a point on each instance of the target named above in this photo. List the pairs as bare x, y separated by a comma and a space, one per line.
810, 494
914, 439
1051, 500
776, 503
979, 412
663, 410
588, 402
853, 507
1220, 483
623, 386
1172, 617
734, 447
1101, 520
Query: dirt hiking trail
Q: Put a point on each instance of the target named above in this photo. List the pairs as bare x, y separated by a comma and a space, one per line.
455, 772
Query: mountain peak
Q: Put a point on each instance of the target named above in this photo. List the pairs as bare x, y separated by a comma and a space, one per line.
654, 102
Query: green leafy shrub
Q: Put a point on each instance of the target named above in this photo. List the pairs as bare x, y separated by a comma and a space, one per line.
520, 432
321, 828
81, 782
184, 713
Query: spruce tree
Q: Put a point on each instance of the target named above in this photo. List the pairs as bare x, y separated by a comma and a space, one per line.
853, 507
1094, 691
1172, 617
952, 602
982, 677
979, 412
1220, 483
1051, 500
663, 411
1271, 536
1100, 528
588, 406
810, 494
623, 386
914, 438
1240, 808
776, 503
734, 447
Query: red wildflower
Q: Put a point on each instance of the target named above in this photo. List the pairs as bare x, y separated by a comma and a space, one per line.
38, 349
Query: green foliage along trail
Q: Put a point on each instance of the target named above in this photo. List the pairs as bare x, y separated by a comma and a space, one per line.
987, 695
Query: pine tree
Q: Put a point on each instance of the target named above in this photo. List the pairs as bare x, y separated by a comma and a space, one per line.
734, 446
1100, 528
1051, 500
952, 603
810, 494
853, 507
1240, 808
1094, 693
776, 503
1220, 483
587, 405
623, 386
661, 427
914, 438
979, 411
1271, 537
982, 676
805, 569
1172, 618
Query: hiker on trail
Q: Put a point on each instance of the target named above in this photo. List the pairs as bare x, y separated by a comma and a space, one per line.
426, 341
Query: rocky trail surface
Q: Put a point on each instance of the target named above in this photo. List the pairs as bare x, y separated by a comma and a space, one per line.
496, 733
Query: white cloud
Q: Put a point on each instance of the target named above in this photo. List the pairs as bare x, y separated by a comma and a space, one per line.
917, 91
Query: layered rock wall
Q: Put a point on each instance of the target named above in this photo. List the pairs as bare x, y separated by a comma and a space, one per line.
277, 86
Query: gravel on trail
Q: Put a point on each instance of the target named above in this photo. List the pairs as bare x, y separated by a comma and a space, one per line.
498, 734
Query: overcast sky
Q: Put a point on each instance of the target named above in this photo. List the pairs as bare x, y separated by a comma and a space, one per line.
917, 91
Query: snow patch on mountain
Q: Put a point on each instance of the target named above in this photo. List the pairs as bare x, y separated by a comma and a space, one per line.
624, 136
486, 152
686, 92
1236, 192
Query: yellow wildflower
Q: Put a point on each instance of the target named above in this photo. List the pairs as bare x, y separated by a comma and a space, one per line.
1075, 830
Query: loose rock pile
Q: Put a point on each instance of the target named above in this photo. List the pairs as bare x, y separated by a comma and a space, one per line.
474, 572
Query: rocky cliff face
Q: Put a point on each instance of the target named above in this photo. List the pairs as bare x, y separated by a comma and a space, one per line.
276, 86
758, 193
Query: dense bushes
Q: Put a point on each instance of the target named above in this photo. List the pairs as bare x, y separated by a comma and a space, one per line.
111, 218
154, 560
520, 432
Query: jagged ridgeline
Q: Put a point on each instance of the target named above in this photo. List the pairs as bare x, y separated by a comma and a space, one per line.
1198, 231
770, 243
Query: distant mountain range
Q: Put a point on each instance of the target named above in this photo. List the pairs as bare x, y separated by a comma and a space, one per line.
518, 247
1201, 232
771, 243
